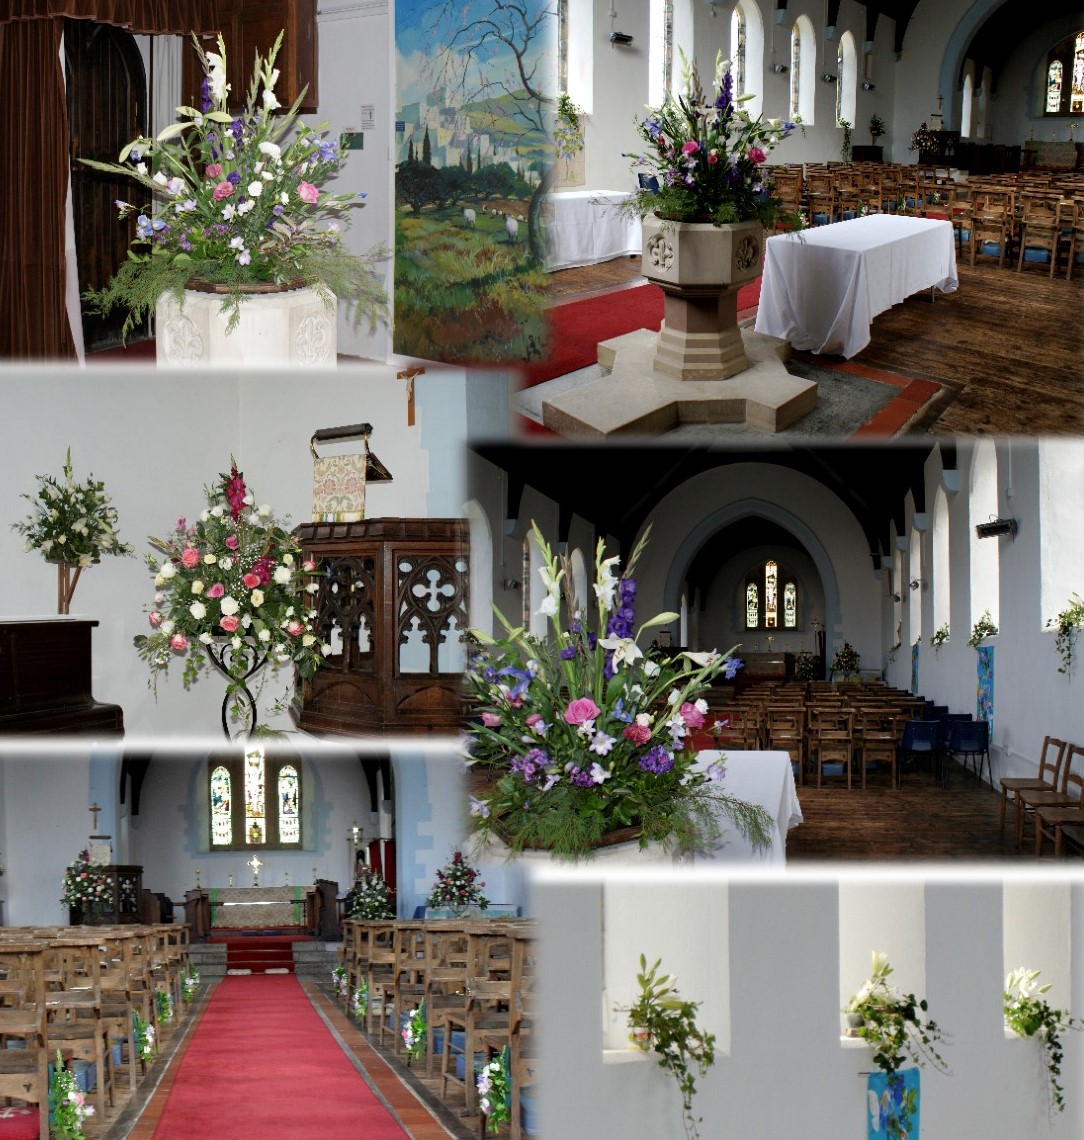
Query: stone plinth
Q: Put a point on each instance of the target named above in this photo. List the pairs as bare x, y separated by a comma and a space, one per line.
636, 399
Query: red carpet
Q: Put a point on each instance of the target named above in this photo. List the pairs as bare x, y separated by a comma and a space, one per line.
260, 952
576, 327
263, 1066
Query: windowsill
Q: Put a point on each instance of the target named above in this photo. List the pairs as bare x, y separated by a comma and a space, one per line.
846, 1042
624, 1056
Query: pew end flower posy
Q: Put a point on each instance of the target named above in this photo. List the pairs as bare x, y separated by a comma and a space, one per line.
708, 156
236, 202
582, 734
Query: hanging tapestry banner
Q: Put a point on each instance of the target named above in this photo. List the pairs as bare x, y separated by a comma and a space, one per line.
914, 668
985, 704
893, 1105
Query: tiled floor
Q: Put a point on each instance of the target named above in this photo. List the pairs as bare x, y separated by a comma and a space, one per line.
409, 1097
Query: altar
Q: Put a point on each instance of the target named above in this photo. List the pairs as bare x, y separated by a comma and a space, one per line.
252, 908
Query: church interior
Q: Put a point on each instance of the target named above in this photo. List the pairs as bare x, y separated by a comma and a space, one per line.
216, 878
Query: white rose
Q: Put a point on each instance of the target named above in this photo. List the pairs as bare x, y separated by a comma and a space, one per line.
264, 635
218, 512
167, 627
312, 588
206, 638
205, 516
256, 598
246, 620
210, 559
282, 575
287, 560
236, 642
167, 570
255, 188
271, 149
198, 610
225, 563
308, 639
265, 510
229, 605
197, 588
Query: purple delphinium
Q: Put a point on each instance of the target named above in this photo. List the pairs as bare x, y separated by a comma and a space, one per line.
532, 765
657, 759
568, 653
724, 101
577, 777
622, 618
205, 103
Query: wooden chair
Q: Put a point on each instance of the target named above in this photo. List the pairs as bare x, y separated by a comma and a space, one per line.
1068, 794
447, 952
1048, 776
1075, 238
408, 992
1040, 231
991, 224
877, 738
833, 743
24, 1072
380, 976
485, 1015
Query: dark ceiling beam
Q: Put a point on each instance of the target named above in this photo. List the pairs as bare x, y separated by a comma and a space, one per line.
871, 23
133, 771
832, 16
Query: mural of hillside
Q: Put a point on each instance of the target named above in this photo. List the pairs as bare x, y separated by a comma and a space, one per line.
472, 163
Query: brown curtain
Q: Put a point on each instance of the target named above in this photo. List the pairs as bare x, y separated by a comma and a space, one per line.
35, 161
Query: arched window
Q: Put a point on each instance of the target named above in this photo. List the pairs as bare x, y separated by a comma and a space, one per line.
1076, 99
965, 104
940, 559
660, 54
915, 585
267, 815
737, 49
985, 553
847, 83
1055, 73
1064, 77
803, 69
771, 597
1061, 521
562, 45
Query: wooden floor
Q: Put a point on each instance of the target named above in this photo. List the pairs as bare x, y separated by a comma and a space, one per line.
1008, 347
916, 822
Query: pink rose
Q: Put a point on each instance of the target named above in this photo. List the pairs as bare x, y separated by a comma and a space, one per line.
223, 190
155, 618
295, 628
533, 719
190, 557
232, 542
307, 192
691, 147
581, 709
756, 154
214, 170
251, 580
308, 566
229, 624
691, 715
490, 720
713, 158
637, 733
216, 591
178, 642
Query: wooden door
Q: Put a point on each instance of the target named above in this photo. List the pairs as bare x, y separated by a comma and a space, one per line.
107, 108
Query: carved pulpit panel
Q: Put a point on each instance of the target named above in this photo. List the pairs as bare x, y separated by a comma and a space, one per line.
392, 602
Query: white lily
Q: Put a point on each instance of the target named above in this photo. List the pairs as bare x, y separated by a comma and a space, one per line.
624, 649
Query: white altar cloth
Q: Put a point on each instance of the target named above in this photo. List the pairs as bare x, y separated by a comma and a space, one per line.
822, 288
585, 227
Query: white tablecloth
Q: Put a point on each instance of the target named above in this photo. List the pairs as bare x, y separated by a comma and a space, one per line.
765, 779
585, 227
822, 288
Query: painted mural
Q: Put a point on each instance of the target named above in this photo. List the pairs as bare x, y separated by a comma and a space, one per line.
472, 163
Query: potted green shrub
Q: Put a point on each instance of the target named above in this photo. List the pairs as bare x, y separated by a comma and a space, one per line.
876, 128
1028, 1014
1068, 624
983, 628
663, 1023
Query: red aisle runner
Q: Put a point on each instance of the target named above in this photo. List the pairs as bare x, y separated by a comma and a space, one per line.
263, 1066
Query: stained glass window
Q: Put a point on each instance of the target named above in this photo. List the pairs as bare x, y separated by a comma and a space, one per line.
737, 49
840, 67
769, 589
1076, 99
771, 595
795, 69
267, 815
752, 606
1055, 74
255, 807
289, 802
562, 45
221, 808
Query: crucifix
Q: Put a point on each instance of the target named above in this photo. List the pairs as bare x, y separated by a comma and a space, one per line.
95, 811
409, 375
255, 863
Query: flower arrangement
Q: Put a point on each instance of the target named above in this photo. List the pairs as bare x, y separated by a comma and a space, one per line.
67, 1104
72, 524
708, 155
413, 1034
1068, 623
190, 982
457, 886
1029, 1014
567, 130
236, 201
495, 1091
665, 1024
806, 666
164, 1004
86, 886
893, 651
983, 628
876, 128
939, 637
923, 139
892, 1022
230, 589
359, 1002
846, 661
143, 1033
339, 980
583, 733
371, 897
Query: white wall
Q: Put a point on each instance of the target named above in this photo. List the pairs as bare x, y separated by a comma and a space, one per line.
157, 441
787, 1072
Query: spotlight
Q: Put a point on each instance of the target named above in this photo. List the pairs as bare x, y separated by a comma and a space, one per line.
868, 86
828, 78
620, 38
995, 528
779, 68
